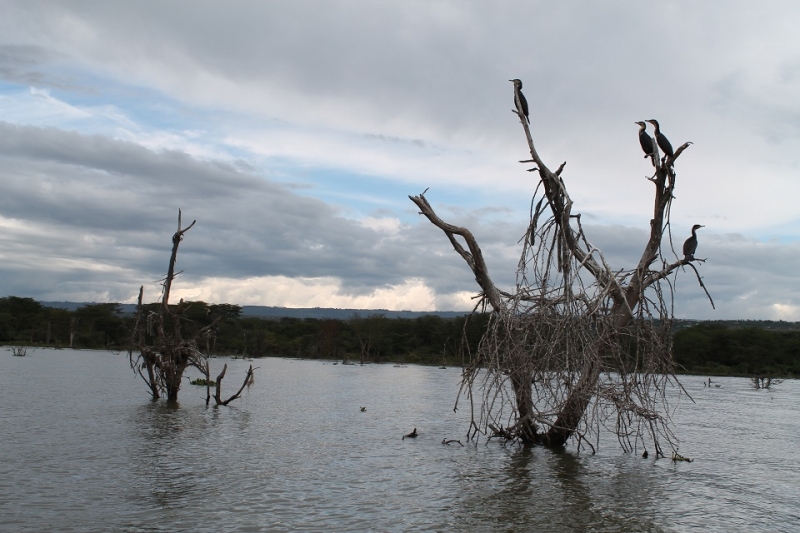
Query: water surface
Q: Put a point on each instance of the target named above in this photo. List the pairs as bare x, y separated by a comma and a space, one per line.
83, 449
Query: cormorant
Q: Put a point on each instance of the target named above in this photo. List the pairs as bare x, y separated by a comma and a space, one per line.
519, 100
661, 139
690, 246
412, 435
647, 142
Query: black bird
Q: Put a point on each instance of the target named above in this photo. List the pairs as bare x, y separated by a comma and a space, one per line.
661, 139
690, 246
519, 100
647, 142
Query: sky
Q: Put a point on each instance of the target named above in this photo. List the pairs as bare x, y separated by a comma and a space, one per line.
294, 132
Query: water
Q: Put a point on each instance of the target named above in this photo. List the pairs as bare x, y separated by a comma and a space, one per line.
83, 449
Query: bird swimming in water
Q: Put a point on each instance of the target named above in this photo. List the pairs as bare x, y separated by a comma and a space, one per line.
647, 142
519, 100
661, 139
690, 246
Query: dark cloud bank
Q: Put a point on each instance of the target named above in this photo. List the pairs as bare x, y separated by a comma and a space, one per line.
88, 217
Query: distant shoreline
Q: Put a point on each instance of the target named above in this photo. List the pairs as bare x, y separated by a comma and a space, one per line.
266, 311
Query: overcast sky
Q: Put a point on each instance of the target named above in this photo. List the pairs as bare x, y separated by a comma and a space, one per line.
295, 131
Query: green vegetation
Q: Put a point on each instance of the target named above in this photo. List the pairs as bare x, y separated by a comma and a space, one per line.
709, 348
427, 339
716, 349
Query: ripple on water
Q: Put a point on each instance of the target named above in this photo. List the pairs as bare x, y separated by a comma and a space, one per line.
84, 449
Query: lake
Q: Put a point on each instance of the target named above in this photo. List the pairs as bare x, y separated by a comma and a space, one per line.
84, 449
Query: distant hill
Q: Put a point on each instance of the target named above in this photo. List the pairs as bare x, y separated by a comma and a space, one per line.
269, 312
262, 311
342, 314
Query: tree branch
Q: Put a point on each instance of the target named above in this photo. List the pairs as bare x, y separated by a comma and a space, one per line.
473, 258
247, 381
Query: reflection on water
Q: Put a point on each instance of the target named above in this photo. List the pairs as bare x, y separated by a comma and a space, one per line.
85, 450
169, 471
540, 489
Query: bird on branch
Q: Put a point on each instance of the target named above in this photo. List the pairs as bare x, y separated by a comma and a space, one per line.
519, 100
647, 142
690, 246
661, 139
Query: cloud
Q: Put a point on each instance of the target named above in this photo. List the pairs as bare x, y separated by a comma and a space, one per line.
87, 217
101, 206
293, 135
283, 291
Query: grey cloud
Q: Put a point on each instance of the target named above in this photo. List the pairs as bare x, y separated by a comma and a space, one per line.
442, 60
81, 234
20, 63
425, 75
96, 200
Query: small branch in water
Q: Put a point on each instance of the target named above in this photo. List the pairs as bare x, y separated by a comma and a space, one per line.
678, 457
217, 396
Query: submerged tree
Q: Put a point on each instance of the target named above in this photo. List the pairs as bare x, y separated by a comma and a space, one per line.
160, 353
764, 382
577, 345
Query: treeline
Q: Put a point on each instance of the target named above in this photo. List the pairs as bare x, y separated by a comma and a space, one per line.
706, 348
710, 348
370, 338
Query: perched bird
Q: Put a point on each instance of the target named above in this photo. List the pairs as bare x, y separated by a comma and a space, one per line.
690, 246
647, 142
519, 100
661, 139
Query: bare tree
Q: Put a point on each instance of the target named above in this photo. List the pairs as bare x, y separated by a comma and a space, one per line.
577, 345
764, 382
162, 362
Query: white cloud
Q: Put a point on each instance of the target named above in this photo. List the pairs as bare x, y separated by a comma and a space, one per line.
384, 225
787, 312
283, 291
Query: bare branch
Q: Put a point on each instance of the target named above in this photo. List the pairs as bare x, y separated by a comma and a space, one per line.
473, 258
577, 343
248, 379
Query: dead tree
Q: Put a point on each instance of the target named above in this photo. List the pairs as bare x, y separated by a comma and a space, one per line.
158, 351
577, 345
764, 382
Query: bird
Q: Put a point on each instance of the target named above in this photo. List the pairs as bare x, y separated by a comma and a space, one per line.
363, 409
661, 139
412, 435
690, 246
519, 100
647, 142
